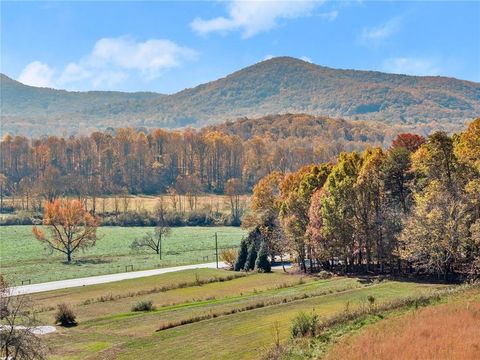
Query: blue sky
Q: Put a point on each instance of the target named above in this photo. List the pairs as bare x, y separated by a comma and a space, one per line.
168, 46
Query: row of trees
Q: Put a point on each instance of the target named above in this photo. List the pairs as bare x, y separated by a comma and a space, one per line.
415, 206
185, 162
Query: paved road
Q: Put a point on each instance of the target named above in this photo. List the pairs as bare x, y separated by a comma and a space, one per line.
102, 279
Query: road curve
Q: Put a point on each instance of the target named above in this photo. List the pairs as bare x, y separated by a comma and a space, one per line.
102, 279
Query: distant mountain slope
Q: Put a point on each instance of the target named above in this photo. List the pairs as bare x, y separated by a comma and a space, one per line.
279, 85
24, 100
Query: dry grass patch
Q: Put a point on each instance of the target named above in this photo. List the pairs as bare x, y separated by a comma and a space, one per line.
449, 331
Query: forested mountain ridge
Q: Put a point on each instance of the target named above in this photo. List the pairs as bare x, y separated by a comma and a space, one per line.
276, 86
18, 99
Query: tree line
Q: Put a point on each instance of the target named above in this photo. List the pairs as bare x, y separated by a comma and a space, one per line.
412, 208
185, 162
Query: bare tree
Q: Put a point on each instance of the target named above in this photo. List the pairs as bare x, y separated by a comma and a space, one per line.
173, 197
233, 189
3, 183
18, 339
153, 240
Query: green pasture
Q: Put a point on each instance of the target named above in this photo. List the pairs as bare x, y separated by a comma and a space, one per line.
22, 257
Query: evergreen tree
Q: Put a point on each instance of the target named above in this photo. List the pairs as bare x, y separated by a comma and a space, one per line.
262, 264
251, 257
242, 256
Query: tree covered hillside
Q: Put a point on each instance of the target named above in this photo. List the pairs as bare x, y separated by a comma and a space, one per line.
276, 86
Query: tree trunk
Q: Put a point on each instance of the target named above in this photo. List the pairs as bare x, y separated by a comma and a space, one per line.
283, 265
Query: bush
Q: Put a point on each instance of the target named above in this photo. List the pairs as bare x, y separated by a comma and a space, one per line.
21, 218
143, 305
325, 274
172, 218
304, 325
262, 264
228, 256
65, 316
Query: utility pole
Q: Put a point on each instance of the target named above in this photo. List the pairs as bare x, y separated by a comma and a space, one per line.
216, 248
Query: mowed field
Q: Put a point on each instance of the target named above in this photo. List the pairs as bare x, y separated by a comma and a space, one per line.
443, 332
23, 258
208, 313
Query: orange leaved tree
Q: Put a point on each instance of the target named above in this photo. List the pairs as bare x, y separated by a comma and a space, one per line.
70, 227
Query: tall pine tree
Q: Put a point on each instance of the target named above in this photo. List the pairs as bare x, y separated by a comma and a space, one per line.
242, 256
251, 257
262, 264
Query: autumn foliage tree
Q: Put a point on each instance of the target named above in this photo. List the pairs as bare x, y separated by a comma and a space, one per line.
415, 206
411, 142
68, 227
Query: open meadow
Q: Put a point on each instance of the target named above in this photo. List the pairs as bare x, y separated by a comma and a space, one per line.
24, 258
228, 313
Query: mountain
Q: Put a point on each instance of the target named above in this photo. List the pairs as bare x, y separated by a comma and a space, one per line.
275, 86
34, 110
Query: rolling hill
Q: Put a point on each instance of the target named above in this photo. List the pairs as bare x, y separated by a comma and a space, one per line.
275, 86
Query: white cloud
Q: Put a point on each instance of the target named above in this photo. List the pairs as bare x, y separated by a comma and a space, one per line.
411, 66
150, 57
268, 57
111, 61
329, 16
37, 74
376, 35
253, 17
306, 58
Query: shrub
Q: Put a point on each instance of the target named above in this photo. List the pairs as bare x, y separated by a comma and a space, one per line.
65, 316
262, 264
229, 256
21, 218
304, 325
325, 274
143, 305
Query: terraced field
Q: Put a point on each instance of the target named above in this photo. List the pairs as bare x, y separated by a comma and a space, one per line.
226, 313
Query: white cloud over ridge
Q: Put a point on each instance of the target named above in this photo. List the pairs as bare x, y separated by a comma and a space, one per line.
37, 74
376, 35
412, 66
254, 17
111, 61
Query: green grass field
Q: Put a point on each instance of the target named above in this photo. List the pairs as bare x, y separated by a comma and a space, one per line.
22, 257
108, 329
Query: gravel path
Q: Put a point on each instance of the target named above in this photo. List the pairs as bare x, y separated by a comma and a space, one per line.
102, 279
37, 330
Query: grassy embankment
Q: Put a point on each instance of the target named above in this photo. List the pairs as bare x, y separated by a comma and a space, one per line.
22, 257
242, 313
446, 331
